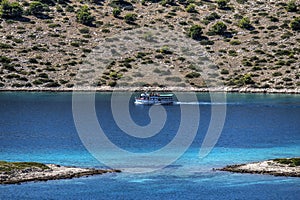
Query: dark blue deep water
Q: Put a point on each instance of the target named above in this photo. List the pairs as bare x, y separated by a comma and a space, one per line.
40, 127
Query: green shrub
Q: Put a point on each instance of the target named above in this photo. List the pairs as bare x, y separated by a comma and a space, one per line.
116, 12
70, 8
84, 30
195, 32
232, 53
43, 75
112, 83
277, 74
246, 79
130, 18
84, 16
291, 6
10, 10
52, 84
219, 28
222, 4
206, 42
167, 2
245, 23
290, 161
165, 50
235, 42
192, 75
5, 46
59, 8
4, 59
33, 60
224, 71
295, 24
37, 8
191, 8
242, 1
212, 16
48, 2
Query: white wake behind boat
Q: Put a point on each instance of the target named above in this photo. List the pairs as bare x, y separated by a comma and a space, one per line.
154, 98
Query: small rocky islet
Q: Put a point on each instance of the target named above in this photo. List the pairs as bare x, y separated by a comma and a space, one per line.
19, 172
278, 167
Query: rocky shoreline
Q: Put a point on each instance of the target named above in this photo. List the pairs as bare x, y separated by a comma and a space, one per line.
158, 89
49, 172
270, 167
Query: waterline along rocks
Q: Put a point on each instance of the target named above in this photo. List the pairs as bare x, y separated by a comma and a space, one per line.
18, 172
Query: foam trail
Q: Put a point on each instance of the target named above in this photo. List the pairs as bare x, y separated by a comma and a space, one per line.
203, 103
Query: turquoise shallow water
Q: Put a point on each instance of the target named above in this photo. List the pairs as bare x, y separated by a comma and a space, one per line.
40, 127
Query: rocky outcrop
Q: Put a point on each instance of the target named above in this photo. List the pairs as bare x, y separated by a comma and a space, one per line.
270, 167
53, 172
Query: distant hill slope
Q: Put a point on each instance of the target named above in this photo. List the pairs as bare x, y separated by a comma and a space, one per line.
240, 43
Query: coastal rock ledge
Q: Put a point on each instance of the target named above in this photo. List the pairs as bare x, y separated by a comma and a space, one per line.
19, 172
277, 167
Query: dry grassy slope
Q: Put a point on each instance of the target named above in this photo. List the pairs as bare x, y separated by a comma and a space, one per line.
47, 53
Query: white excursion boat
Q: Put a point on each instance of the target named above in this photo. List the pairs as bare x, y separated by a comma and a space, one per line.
154, 98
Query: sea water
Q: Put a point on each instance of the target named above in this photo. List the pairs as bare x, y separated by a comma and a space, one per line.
40, 127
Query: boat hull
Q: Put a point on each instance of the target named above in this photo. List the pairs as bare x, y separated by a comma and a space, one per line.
152, 102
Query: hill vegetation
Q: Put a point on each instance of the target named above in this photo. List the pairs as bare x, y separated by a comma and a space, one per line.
253, 44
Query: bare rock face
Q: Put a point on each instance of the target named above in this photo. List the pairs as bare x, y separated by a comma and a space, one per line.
276, 167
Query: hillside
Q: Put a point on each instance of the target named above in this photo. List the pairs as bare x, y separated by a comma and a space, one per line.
58, 44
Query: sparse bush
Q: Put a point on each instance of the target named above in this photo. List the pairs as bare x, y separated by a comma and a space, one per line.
69, 8
116, 12
242, 1
33, 60
277, 74
232, 53
222, 4
4, 59
291, 6
84, 30
43, 75
195, 32
112, 83
59, 8
165, 50
130, 18
167, 2
37, 8
224, 71
191, 8
192, 75
246, 79
295, 24
245, 23
10, 10
84, 16
52, 84
219, 28
212, 16
48, 2
235, 42
5, 46
206, 42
